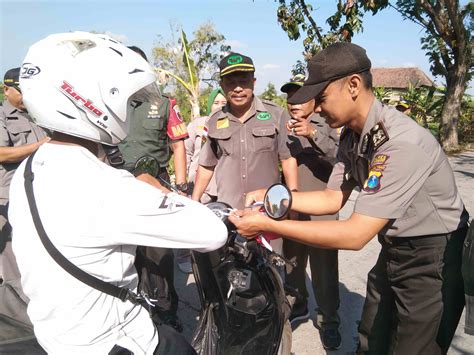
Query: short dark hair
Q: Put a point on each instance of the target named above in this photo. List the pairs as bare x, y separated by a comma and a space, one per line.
366, 79
139, 51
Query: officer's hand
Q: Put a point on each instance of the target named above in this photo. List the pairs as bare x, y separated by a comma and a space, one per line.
249, 223
301, 127
255, 196
145, 177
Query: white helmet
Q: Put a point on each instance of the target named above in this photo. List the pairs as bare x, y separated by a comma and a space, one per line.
84, 85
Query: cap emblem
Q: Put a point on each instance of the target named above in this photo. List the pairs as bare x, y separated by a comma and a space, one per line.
234, 59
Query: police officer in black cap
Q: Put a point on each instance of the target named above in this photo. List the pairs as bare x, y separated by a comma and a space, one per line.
408, 198
313, 144
19, 137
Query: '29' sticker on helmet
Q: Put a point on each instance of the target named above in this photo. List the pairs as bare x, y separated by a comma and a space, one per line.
234, 59
28, 70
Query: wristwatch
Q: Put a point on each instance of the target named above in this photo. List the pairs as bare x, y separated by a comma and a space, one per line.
313, 134
182, 187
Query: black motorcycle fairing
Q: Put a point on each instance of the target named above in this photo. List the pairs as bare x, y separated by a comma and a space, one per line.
246, 294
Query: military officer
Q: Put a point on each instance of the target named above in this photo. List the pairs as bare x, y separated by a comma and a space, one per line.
19, 137
408, 198
156, 131
246, 139
314, 146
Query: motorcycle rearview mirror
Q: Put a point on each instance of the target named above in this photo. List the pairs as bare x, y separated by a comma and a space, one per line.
147, 164
277, 201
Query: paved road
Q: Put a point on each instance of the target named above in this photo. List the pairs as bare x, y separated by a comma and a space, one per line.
353, 269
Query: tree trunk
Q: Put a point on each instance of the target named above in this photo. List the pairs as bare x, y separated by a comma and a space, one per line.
452, 107
194, 101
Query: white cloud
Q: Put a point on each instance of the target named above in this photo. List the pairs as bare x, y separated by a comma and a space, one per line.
235, 44
270, 66
408, 65
118, 37
381, 62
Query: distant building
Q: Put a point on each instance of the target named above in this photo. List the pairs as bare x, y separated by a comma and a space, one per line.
397, 80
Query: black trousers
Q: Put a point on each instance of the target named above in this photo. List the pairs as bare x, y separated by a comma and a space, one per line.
324, 279
155, 267
415, 296
170, 342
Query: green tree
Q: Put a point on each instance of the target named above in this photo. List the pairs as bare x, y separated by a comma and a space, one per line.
190, 62
425, 104
382, 94
271, 94
447, 41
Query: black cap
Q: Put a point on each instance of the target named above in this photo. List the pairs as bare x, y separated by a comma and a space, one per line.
235, 62
296, 81
332, 63
12, 78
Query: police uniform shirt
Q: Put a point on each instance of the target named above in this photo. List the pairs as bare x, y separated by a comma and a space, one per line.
246, 155
16, 129
403, 174
197, 131
315, 155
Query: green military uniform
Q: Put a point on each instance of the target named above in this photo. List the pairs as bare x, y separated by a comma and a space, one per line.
148, 135
246, 154
416, 283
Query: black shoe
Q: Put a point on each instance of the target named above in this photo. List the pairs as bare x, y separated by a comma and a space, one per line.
298, 314
331, 338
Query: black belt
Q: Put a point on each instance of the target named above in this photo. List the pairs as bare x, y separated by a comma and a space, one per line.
419, 240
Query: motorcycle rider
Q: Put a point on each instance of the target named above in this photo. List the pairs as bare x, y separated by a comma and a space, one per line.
83, 87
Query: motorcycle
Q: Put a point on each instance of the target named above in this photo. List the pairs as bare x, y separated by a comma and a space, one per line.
244, 308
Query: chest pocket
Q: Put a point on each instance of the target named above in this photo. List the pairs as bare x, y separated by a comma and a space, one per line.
224, 143
154, 123
19, 132
264, 138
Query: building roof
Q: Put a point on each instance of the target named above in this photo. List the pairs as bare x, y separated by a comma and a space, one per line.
399, 78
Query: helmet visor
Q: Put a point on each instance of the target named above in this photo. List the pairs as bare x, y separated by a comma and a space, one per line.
150, 93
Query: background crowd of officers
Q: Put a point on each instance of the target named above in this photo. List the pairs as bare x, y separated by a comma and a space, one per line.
243, 144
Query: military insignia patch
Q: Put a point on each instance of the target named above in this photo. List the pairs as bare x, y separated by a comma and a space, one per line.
222, 123
377, 166
379, 159
234, 59
264, 116
379, 135
372, 184
153, 112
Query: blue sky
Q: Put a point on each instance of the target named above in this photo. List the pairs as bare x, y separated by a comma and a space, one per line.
249, 26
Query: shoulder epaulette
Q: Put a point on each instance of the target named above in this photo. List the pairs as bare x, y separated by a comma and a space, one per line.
268, 102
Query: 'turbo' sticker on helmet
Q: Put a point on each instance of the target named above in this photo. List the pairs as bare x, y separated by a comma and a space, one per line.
68, 90
235, 59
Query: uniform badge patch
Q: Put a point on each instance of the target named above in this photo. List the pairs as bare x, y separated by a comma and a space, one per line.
372, 184
264, 116
379, 135
379, 159
222, 123
377, 166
